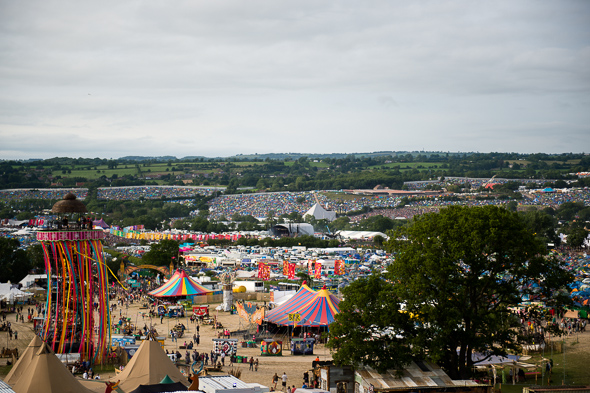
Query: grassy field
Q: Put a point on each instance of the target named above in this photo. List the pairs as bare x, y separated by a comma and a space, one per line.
342, 196
409, 165
570, 367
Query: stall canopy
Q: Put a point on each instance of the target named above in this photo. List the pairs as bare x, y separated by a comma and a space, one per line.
180, 284
9, 293
303, 295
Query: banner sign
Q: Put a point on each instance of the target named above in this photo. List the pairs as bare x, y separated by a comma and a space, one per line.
318, 270
339, 267
249, 312
56, 236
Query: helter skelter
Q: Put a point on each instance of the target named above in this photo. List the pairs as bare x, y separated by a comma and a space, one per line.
77, 307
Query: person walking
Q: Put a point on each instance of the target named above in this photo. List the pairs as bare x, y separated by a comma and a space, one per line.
284, 380
275, 380
251, 363
256, 365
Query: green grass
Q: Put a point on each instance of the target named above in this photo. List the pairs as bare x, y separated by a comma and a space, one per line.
409, 165
570, 369
248, 163
342, 196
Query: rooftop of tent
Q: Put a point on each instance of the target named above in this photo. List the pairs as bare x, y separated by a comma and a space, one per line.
227, 384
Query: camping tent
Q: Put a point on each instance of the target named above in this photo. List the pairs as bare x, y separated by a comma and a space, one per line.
303, 295
148, 366
180, 284
39, 370
320, 213
318, 311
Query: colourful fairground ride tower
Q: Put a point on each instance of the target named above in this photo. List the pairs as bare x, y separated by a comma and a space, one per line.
77, 307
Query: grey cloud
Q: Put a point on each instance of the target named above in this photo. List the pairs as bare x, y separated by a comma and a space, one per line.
305, 68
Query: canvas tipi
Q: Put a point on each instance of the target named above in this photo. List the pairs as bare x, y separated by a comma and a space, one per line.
39, 370
148, 366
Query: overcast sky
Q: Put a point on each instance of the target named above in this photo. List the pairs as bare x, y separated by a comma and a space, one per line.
217, 78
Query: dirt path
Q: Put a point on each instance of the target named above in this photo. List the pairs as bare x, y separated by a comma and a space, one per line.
293, 366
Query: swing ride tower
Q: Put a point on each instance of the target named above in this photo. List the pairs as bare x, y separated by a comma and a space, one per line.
77, 305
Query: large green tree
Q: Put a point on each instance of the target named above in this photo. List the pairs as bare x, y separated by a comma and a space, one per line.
371, 326
14, 263
457, 272
162, 253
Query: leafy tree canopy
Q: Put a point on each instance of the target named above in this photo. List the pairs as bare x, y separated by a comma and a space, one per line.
370, 328
14, 262
456, 272
162, 253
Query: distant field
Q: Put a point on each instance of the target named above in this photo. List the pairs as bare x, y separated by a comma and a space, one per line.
526, 162
147, 169
311, 163
409, 165
95, 172
249, 163
342, 196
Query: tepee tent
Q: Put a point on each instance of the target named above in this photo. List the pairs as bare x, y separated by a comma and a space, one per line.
148, 366
44, 373
21, 366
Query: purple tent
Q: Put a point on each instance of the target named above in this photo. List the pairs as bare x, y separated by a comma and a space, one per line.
100, 223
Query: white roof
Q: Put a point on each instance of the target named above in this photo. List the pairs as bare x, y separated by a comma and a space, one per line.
361, 234
320, 213
14, 293
30, 279
227, 384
